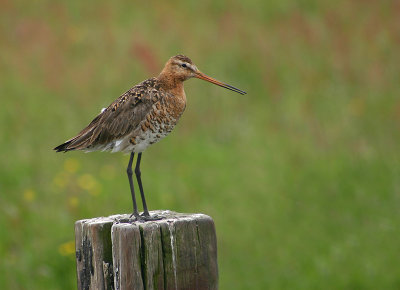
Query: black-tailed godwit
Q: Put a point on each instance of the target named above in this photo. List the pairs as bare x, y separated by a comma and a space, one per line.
142, 116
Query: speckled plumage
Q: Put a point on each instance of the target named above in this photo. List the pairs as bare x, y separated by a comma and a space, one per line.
142, 116
138, 118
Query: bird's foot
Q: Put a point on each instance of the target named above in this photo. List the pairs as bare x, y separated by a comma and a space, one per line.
147, 217
133, 217
144, 217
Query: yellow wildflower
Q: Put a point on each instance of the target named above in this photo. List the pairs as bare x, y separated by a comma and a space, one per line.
71, 165
67, 249
73, 202
89, 183
29, 195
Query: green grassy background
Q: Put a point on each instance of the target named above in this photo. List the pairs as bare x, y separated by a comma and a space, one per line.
301, 174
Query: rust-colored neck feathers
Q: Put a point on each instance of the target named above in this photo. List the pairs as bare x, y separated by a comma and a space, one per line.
173, 75
171, 83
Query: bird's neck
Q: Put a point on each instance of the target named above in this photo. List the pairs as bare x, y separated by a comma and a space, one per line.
171, 84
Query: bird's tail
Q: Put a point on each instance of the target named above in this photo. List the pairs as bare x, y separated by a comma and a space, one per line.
64, 147
81, 141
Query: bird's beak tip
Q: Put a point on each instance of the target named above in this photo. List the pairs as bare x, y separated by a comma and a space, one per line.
205, 77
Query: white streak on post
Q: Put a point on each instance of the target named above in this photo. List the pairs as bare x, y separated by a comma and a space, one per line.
171, 234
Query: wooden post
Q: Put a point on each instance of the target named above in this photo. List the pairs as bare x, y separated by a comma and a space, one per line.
178, 251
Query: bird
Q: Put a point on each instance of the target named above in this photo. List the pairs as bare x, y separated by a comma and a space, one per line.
140, 117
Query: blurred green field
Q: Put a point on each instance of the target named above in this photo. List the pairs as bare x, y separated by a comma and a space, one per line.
301, 174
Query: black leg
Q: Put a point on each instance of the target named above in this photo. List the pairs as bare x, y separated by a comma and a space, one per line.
130, 173
139, 180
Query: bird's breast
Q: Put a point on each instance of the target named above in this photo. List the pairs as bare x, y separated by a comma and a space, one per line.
157, 124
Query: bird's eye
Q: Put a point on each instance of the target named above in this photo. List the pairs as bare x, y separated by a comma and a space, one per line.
183, 65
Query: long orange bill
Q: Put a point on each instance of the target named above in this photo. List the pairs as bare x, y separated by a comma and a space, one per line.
202, 76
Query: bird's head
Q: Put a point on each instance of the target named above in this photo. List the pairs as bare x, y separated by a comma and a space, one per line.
181, 68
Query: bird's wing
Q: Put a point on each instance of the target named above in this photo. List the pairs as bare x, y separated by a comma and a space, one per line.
118, 119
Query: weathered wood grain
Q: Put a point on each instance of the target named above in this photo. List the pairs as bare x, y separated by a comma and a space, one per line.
93, 253
178, 251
